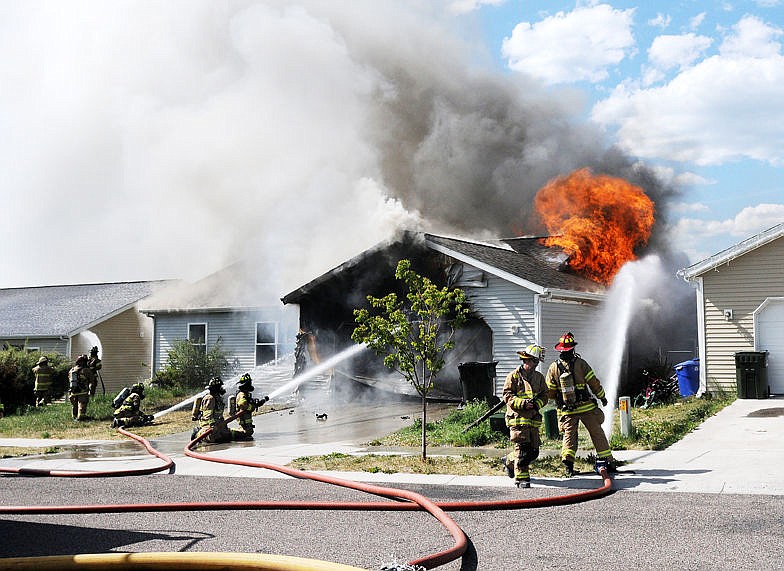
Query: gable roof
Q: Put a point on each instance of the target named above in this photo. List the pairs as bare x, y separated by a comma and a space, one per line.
523, 261
65, 310
731, 253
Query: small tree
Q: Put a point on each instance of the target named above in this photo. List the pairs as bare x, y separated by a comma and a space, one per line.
190, 366
413, 335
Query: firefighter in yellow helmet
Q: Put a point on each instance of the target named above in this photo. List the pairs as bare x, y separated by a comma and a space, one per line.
43, 382
574, 386
525, 393
79, 379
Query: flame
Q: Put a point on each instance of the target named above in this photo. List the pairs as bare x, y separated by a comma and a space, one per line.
598, 220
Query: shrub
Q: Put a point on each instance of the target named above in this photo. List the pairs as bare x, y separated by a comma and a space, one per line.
189, 366
17, 379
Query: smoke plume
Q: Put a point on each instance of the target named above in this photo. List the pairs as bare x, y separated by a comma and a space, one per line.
149, 140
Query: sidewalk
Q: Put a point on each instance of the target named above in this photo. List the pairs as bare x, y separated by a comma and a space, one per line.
740, 451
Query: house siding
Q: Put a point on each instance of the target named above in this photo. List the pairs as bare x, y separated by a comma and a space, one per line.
125, 349
560, 316
235, 329
508, 310
740, 285
44, 344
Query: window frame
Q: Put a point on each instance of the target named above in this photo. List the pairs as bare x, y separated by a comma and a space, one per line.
274, 344
202, 345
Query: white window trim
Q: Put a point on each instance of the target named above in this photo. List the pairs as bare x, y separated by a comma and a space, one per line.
275, 344
206, 333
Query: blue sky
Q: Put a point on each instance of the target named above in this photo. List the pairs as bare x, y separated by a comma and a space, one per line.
694, 88
149, 140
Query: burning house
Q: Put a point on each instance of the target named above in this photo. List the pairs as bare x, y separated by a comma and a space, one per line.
520, 292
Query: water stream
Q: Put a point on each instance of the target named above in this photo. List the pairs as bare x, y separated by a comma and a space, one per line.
272, 374
631, 290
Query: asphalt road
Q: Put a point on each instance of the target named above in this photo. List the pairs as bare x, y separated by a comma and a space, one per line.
621, 531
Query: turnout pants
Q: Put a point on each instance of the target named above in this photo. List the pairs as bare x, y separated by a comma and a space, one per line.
525, 442
592, 420
79, 406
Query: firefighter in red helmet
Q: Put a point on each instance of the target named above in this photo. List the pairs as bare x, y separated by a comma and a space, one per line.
525, 393
574, 387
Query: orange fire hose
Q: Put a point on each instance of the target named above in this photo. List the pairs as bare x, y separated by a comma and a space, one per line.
405, 500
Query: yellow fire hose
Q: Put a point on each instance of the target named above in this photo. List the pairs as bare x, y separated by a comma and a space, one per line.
174, 561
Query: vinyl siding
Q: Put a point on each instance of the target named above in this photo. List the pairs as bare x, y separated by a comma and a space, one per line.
560, 316
505, 306
125, 349
235, 329
741, 285
45, 344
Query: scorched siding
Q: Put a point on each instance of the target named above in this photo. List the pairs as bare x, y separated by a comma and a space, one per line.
740, 285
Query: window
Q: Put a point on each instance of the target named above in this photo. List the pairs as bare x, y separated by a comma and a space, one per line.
266, 342
197, 335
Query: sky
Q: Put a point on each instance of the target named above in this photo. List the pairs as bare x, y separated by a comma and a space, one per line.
148, 140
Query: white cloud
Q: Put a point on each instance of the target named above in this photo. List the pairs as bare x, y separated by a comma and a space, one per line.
660, 21
697, 20
725, 107
684, 207
667, 52
702, 238
467, 6
752, 38
568, 47
669, 176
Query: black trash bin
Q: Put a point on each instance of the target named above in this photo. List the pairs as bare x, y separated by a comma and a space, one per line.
751, 374
478, 380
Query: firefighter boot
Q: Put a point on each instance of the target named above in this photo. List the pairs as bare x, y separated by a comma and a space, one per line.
569, 468
523, 483
509, 467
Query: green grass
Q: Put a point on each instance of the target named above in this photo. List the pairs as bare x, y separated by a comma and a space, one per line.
653, 429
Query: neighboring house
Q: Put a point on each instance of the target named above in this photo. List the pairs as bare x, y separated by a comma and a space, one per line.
740, 307
519, 292
70, 319
227, 307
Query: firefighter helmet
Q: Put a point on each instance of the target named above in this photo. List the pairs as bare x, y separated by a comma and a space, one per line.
94, 350
43, 360
566, 342
245, 379
535, 352
216, 383
81, 360
138, 388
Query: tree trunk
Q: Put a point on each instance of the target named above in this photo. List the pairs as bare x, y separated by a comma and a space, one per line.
424, 428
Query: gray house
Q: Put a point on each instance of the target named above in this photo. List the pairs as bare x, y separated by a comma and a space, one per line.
740, 307
70, 319
226, 306
520, 292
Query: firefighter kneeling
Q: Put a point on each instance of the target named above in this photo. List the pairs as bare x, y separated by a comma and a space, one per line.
525, 393
129, 413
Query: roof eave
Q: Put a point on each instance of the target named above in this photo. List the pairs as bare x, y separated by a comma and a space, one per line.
726, 256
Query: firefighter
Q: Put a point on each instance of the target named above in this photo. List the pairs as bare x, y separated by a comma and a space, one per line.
525, 393
246, 404
95, 366
79, 379
210, 414
129, 412
43, 382
574, 386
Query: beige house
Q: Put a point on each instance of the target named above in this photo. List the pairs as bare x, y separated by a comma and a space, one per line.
740, 307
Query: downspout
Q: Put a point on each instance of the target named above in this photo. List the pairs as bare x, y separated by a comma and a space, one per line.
701, 337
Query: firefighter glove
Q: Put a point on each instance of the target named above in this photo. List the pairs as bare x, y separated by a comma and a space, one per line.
604, 401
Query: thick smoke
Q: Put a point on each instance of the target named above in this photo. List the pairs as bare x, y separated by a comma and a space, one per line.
152, 140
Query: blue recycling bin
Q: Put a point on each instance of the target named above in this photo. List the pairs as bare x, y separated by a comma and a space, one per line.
688, 374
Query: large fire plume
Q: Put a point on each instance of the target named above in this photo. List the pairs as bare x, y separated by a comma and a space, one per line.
598, 220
